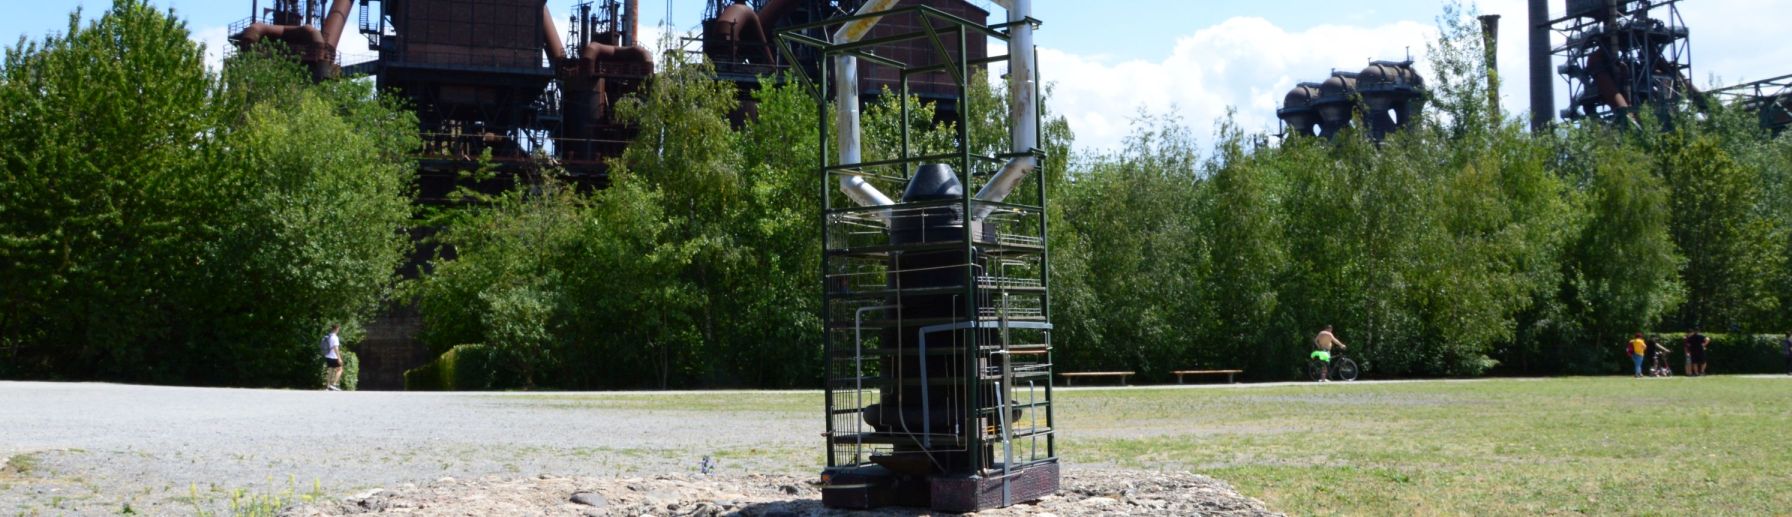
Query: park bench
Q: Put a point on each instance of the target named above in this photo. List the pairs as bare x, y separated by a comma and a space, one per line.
1228, 373
1072, 375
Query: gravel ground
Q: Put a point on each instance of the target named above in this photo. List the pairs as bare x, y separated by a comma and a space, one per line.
1085, 492
85, 448
96, 448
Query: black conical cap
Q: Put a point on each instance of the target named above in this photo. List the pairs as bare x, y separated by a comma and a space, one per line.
933, 181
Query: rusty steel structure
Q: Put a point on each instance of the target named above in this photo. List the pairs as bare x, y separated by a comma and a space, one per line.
603, 63
1386, 96
1619, 55
496, 83
492, 81
736, 37
303, 28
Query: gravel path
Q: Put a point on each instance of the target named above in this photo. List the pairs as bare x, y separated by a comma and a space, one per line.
87, 448
92, 448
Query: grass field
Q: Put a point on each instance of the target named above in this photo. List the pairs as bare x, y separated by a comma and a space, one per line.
1617, 445
1589, 445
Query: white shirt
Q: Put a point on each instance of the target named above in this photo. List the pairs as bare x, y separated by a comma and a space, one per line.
330, 344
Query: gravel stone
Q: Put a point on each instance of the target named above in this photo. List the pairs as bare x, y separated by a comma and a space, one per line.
589, 499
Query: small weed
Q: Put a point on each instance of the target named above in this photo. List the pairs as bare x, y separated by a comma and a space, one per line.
22, 464
244, 502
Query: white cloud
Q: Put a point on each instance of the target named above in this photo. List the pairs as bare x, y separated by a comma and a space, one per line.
1244, 62
1249, 63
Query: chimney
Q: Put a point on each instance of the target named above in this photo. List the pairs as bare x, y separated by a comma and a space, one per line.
1490, 54
1543, 91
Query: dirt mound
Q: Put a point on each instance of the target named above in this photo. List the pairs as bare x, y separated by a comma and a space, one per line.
1085, 492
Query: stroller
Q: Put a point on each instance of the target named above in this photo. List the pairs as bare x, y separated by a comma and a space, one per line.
1661, 368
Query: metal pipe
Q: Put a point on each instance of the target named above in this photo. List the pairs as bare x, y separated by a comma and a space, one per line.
1023, 112
1543, 93
334, 21
846, 110
556, 49
858, 360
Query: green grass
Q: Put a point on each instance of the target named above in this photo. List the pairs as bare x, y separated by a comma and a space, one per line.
1581, 445
1596, 445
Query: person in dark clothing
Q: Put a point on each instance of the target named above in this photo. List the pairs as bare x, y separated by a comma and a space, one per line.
1786, 348
1696, 343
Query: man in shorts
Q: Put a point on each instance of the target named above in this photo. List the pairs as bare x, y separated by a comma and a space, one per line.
332, 347
1322, 344
1696, 344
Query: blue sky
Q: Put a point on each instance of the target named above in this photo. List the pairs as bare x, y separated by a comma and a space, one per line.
1196, 59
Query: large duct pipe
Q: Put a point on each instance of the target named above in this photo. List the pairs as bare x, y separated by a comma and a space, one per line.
1543, 92
846, 109
551, 36
1490, 51
774, 11
1023, 112
740, 25
333, 23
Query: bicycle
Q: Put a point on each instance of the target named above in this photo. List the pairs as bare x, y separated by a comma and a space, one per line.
1341, 368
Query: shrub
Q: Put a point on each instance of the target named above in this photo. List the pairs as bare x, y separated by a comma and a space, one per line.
469, 367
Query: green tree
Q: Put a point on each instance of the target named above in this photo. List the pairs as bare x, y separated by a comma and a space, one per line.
1623, 269
161, 224
1137, 254
1242, 220
1731, 252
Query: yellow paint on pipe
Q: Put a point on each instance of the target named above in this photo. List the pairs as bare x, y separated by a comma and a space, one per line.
856, 29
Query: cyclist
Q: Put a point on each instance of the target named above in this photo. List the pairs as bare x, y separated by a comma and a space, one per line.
1323, 344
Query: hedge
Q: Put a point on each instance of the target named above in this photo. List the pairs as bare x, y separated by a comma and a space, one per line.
464, 367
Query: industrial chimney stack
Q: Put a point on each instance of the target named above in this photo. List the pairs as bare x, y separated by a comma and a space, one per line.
1490, 53
1543, 91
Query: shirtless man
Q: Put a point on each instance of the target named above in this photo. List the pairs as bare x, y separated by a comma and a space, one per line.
1323, 345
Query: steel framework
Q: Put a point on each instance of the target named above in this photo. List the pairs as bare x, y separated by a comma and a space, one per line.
938, 352
1621, 54
1770, 98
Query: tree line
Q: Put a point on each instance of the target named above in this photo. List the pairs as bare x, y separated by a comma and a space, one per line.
164, 223
205, 232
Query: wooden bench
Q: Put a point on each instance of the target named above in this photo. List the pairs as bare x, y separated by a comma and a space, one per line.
1228, 373
1072, 375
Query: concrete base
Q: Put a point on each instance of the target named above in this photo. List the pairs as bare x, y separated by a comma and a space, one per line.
873, 486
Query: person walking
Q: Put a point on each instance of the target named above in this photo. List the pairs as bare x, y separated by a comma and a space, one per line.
332, 347
1637, 348
1323, 344
1696, 344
